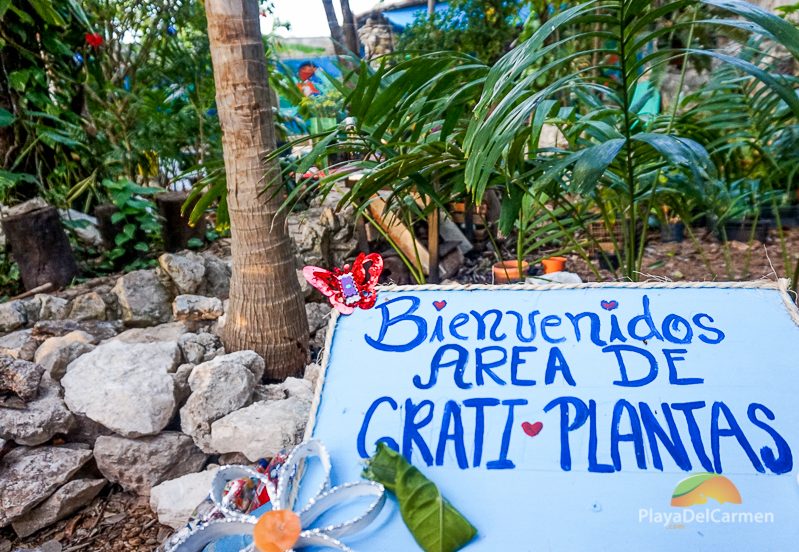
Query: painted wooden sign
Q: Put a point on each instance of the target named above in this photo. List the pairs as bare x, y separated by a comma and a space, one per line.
596, 418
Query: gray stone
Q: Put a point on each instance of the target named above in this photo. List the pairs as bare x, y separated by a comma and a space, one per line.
318, 316
127, 387
271, 392
313, 373
300, 388
57, 352
68, 499
181, 379
25, 207
52, 307
89, 306
140, 464
20, 377
40, 420
186, 271
217, 277
100, 330
143, 299
252, 360
262, 429
305, 287
86, 431
201, 347
218, 388
12, 316
196, 307
84, 226
174, 501
20, 344
30, 475
170, 332
32, 305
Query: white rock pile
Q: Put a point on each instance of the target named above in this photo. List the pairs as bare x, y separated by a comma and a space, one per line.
126, 382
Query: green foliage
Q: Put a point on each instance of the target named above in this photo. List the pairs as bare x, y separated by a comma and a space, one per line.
616, 151
435, 524
484, 29
139, 228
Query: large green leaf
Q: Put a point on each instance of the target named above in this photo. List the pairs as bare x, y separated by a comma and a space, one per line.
593, 162
435, 524
47, 12
6, 117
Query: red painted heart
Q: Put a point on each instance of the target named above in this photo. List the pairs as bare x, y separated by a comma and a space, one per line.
609, 305
439, 304
532, 429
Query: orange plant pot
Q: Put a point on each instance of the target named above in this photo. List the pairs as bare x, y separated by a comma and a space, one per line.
506, 272
554, 264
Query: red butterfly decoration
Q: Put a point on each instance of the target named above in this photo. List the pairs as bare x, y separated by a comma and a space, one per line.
348, 288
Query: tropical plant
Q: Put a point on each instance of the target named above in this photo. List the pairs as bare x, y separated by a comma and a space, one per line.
404, 134
617, 151
41, 138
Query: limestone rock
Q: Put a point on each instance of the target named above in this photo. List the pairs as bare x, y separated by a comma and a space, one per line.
98, 329
140, 464
52, 307
181, 379
262, 429
19, 377
318, 316
170, 332
174, 501
68, 499
20, 344
217, 277
57, 352
313, 373
201, 347
143, 299
12, 316
196, 307
32, 307
89, 306
30, 475
86, 431
84, 226
186, 271
40, 420
127, 387
218, 388
305, 287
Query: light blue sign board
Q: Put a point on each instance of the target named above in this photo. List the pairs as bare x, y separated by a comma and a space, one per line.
726, 379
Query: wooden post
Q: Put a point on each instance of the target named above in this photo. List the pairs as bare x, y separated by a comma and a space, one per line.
40, 247
433, 246
176, 229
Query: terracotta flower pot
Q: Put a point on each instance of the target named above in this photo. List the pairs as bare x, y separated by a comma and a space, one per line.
553, 264
506, 272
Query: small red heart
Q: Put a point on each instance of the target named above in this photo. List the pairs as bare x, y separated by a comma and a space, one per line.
439, 304
532, 429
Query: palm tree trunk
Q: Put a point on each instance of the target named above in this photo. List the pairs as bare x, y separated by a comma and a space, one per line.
350, 28
431, 8
266, 311
335, 29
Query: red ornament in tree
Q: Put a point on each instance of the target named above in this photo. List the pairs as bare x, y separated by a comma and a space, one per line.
95, 40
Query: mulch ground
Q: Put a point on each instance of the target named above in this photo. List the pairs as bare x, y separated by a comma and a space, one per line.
112, 522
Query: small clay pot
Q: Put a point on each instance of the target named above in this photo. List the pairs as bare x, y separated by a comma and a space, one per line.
507, 272
553, 264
